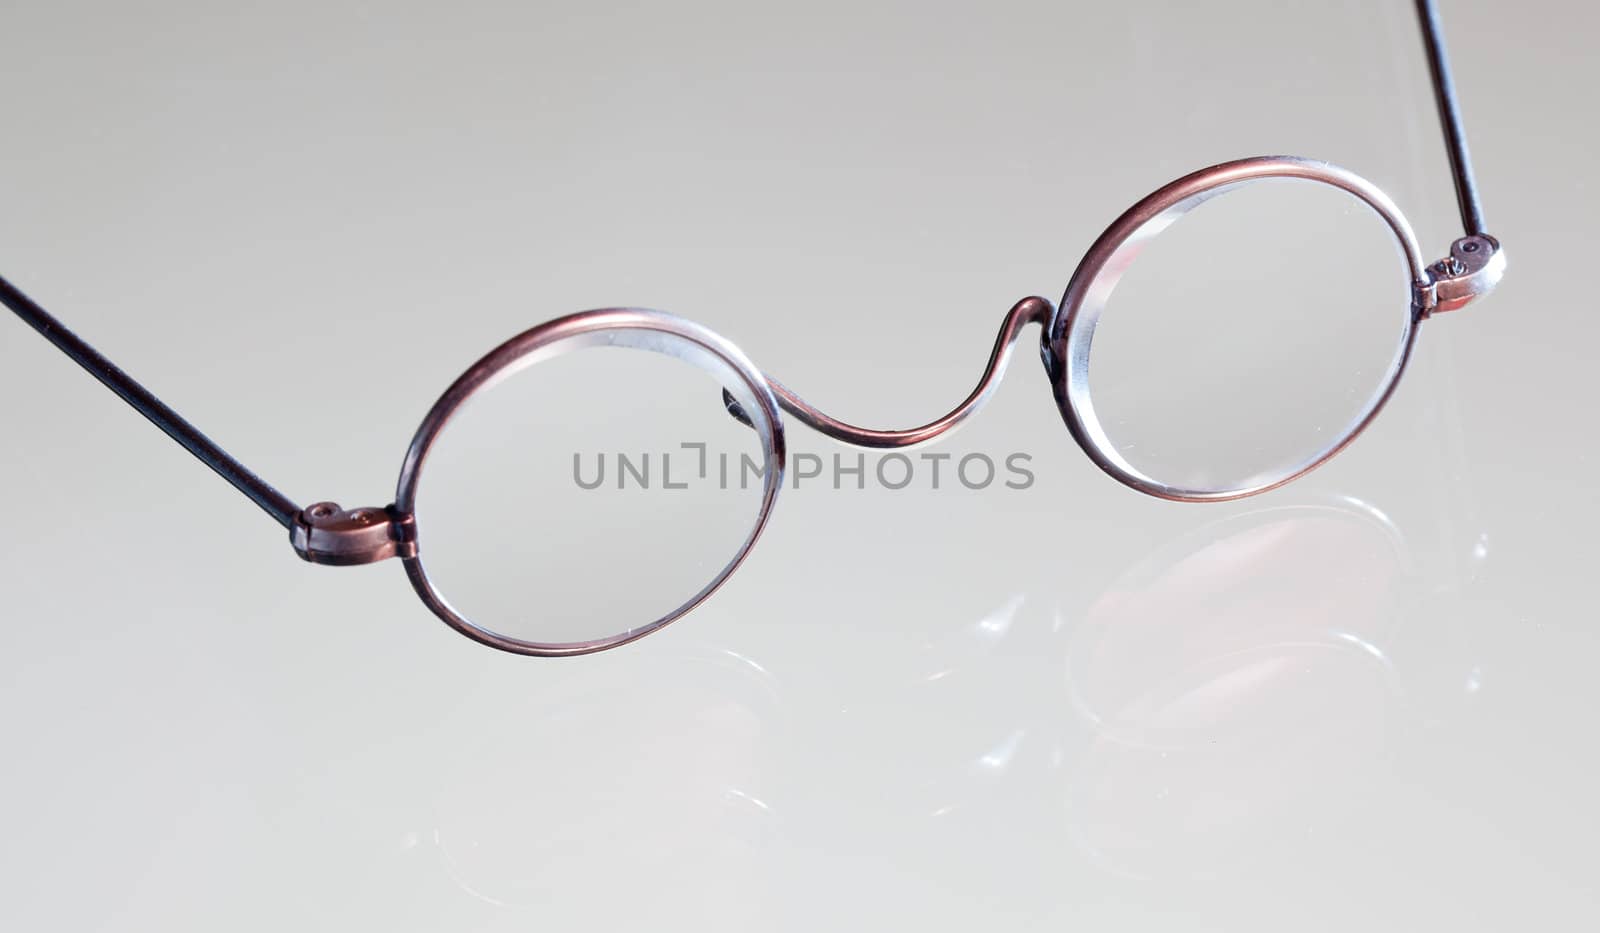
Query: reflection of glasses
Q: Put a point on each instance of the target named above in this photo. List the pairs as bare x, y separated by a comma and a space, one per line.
325, 533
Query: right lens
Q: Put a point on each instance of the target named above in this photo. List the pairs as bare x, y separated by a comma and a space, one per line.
594, 495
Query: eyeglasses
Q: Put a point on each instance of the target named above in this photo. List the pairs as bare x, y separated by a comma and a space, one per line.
328, 534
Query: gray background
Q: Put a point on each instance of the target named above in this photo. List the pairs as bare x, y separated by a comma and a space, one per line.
1362, 701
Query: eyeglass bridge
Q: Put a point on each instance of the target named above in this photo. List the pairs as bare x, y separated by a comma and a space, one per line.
323, 533
1472, 270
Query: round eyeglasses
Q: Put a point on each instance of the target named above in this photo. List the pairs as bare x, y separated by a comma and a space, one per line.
1162, 392
579, 606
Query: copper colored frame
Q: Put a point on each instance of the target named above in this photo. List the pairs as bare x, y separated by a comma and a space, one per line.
327, 534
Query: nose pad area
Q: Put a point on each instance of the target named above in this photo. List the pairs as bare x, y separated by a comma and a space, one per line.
735, 409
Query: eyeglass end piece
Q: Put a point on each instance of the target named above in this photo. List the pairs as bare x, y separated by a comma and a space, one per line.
1474, 267
323, 533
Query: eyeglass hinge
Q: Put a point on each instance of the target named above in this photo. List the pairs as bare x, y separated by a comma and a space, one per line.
1472, 270
323, 533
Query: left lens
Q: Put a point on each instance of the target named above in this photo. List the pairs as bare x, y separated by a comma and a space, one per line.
1238, 337
581, 498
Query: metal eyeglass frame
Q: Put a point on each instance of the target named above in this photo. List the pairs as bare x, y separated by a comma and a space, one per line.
326, 534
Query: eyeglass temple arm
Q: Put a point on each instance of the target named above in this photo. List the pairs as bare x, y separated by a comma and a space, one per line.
1455, 137
1476, 261
282, 509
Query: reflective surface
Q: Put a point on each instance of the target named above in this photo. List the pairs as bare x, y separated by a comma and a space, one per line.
1364, 701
